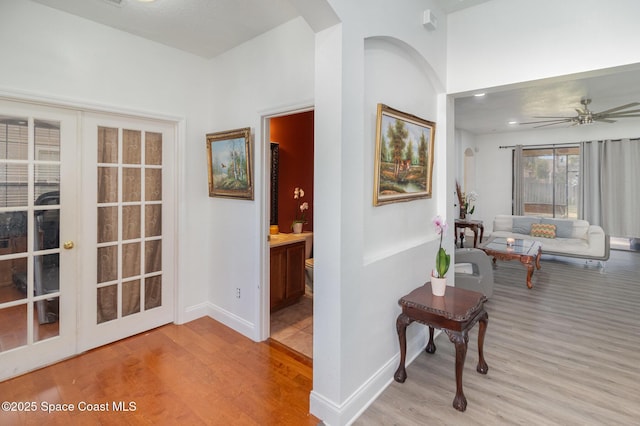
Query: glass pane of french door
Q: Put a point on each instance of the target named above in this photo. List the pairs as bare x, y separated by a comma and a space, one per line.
37, 313
131, 287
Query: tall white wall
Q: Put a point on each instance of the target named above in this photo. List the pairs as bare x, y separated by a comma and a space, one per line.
379, 53
51, 55
504, 41
269, 74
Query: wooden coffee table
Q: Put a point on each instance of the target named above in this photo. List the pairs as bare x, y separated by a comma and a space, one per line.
528, 252
455, 313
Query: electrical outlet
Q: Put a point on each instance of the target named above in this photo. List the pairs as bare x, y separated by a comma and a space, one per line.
237, 292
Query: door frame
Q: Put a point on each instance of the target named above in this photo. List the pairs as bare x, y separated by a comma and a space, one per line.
262, 301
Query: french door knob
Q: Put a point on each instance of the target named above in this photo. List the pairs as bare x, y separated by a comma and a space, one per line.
68, 245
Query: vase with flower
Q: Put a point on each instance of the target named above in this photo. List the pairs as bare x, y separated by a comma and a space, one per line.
438, 280
465, 201
299, 218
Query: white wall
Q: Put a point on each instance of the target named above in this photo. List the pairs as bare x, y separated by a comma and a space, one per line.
380, 53
48, 54
505, 41
271, 73
359, 277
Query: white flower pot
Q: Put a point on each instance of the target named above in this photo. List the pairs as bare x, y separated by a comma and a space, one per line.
297, 227
438, 286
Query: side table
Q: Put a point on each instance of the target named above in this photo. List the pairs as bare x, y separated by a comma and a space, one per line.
476, 226
455, 313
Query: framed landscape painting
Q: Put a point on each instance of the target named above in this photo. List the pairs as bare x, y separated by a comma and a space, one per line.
230, 167
403, 158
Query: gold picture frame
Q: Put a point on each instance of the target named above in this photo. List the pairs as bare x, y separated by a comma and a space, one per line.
229, 156
403, 158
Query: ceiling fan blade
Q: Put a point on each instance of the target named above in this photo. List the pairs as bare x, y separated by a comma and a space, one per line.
552, 116
547, 121
553, 124
544, 123
632, 104
631, 111
621, 115
606, 120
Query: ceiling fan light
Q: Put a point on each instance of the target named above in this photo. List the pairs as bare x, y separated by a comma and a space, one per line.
585, 119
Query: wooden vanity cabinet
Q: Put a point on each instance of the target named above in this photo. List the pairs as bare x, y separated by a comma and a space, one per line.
287, 274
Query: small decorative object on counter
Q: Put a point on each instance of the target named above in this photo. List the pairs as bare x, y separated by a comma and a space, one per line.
300, 215
465, 201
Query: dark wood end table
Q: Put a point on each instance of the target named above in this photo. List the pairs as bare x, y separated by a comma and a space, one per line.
476, 226
455, 313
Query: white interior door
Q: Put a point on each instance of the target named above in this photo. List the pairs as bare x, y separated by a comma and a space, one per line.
127, 244
38, 184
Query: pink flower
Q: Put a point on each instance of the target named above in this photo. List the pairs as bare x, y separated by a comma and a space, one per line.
440, 225
298, 193
442, 258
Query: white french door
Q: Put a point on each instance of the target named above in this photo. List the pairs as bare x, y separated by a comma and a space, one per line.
127, 245
87, 228
38, 147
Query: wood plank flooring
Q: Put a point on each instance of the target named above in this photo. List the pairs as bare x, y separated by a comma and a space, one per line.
566, 352
200, 373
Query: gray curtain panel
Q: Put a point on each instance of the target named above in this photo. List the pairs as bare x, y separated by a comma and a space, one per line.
518, 181
610, 189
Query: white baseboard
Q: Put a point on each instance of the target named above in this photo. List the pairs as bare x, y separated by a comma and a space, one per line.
194, 312
229, 319
333, 414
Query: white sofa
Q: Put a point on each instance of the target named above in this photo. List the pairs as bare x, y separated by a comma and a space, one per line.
574, 237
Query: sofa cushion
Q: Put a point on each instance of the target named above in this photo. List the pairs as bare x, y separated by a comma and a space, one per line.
564, 227
522, 224
544, 230
580, 229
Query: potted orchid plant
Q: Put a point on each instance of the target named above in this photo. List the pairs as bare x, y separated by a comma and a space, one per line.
300, 216
443, 260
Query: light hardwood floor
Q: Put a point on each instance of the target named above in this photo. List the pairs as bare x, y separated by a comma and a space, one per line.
566, 352
200, 373
562, 353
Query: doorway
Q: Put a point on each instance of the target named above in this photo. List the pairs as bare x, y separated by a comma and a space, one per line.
79, 268
291, 142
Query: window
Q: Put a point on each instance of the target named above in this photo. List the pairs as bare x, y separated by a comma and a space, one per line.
550, 181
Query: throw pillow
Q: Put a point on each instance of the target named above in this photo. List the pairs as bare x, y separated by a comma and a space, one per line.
544, 230
564, 227
522, 224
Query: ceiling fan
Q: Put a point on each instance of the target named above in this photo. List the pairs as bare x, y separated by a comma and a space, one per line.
586, 116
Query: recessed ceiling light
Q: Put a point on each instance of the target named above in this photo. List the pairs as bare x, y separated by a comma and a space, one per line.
479, 95
513, 122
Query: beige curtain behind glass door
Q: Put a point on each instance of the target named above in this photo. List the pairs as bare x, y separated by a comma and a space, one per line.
129, 254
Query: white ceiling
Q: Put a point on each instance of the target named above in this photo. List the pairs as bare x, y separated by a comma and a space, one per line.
205, 28
557, 97
208, 28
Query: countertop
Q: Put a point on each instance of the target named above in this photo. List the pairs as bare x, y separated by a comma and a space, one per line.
276, 240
